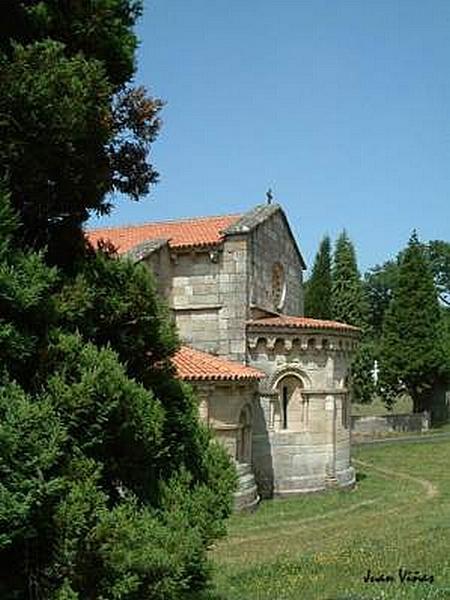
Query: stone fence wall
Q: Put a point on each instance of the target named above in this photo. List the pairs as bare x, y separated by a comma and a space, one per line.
417, 422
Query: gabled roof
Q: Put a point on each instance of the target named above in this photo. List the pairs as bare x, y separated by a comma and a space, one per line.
252, 218
257, 215
194, 365
301, 323
183, 233
145, 249
187, 233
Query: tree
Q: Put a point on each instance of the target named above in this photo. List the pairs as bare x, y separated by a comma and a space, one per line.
318, 286
439, 256
380, 282
349, 305
412, 354
109, 485
379, 285
72, 129
446, 329
348, 301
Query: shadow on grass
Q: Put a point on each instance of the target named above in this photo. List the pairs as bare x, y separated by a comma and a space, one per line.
360, 476
440, 426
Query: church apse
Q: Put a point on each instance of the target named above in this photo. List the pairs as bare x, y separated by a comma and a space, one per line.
304, 402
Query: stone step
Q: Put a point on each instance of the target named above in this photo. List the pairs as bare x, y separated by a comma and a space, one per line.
246, 497
243, 469
247, 481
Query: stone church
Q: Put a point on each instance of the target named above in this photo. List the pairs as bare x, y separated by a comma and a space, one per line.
271, 383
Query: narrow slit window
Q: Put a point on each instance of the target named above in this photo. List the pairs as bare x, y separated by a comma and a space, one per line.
284, 406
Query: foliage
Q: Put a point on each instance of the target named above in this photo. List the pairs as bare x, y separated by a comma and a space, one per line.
109, 486
445, 312
363, 386
439, 256
348, 301
349, 306
115, 302
318, 287
412, 353
380, 282
72, 129
379, 285
102, 30
26, 308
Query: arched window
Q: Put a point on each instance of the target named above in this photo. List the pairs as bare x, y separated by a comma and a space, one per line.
292, 407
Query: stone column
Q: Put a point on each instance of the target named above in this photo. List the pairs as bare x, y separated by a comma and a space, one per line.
330, 410
202, 392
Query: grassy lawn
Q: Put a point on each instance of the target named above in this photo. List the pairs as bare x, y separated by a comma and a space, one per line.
321, 546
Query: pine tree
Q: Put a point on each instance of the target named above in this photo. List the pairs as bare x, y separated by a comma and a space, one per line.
412, 353
318, 286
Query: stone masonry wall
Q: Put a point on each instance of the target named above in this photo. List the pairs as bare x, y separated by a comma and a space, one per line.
233, 297
221, 406
313, 452
210, 289
195, 298
161, 266
416, 422
269, 243
209, 297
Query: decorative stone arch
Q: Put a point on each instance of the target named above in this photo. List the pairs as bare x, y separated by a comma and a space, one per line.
244, 435
289, 410
286, 370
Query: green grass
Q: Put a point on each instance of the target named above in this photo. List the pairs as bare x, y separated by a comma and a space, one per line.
321, 546
441, 428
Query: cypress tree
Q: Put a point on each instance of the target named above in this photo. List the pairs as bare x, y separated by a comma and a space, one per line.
412, 353
349, 306
347, 298
318, 287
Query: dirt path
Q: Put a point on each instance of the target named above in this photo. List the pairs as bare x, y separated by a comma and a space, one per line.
430, 489
290, 527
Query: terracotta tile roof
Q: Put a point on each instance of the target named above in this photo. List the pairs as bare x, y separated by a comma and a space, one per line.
195, 365
301, 323
202, 231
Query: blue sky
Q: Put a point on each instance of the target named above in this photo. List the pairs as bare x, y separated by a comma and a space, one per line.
342, 107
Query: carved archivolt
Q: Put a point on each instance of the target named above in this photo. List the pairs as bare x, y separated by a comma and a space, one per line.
286, 370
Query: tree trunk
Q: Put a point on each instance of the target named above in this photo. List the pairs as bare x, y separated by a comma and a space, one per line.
421, 401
